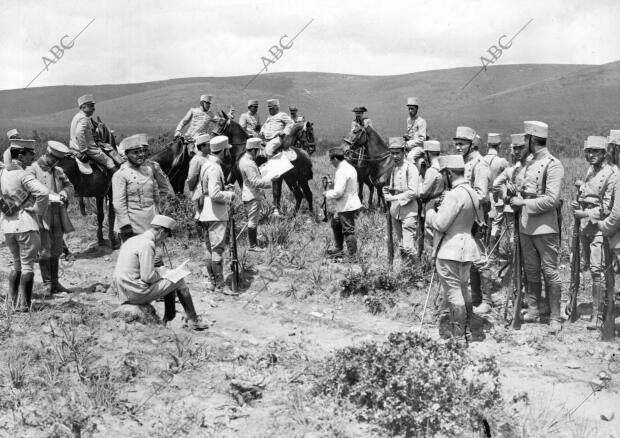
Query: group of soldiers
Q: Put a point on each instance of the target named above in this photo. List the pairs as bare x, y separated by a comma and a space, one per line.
455, 195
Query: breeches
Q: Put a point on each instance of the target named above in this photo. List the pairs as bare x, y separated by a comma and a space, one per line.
253, 211
155, 291
344, 222
405, 232
540, 252
51, 240
24, 248
217, 236
97, 155
272, 145
592, 245
454, 280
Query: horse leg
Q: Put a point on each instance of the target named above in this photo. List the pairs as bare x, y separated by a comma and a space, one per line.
100, 217
111, 217
371, 194
308, 194
360, 188
277, 193
82, 206
297, 193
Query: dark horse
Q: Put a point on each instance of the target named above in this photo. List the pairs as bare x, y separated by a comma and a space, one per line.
300, 139
96, 185
369, 154
174, 161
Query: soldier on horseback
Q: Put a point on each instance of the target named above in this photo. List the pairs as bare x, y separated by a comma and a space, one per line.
275, 128
201, 120
250, 121
6, 157
359, 122
416, 125
82, 138
292, 109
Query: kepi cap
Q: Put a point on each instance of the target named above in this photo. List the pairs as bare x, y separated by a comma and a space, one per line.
595, 142
273, 102
292, 108
206, 98
252, 143
57, 149
614, 136
451, 162
133, 142
202, 139
219, 143
412, 101
517, 139
432, 146
87, 98
465, 133
252, 102
18, 143
415, 154
494, 139
396, 143
539, 129
12, 133
164, 221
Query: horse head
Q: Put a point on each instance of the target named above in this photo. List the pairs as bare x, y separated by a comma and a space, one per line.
302, 137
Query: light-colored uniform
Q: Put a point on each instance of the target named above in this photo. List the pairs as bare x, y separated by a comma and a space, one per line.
598, 184
83, 141
55, 221
21, 230
496, 165
200, 122
404, 209
215, 207
416, 131
511, 175
477, 173
431, 187
135, 277
344, 202
193, 175
252, 184
249, 122
135, 197
539, 219
298, 119
274, 125
610, 227
457, 248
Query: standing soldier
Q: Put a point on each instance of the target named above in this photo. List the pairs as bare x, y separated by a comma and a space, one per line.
539, 228
81, 134
292, 109
595, 199
416, 125
613, 147
250, 121
193, 174
496, 165
345, 204
402, 192
23, 202
477, 174
432, 184
6, 157
275, 128
252, 193
217, 199
201, 120
55, 221
135, 190
455, 248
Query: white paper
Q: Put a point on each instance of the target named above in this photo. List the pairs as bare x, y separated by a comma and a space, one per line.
275, 167
177, 274
54, 198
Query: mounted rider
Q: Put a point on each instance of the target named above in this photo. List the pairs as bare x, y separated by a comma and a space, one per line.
292, 109
201, 120
360, 121
416, 125
82, 137
6, 157
275, 128
250, 120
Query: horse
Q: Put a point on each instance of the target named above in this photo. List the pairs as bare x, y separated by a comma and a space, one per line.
300, 138
96, 185
369, 154
174, 161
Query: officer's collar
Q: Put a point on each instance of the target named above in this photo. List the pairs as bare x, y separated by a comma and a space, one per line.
541, 153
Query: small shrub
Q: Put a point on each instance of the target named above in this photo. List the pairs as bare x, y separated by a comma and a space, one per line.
413, 385
379, 289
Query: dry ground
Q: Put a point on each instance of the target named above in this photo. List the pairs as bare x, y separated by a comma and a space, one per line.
71, 369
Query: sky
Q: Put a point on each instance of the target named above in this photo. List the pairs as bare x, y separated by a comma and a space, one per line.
141, 41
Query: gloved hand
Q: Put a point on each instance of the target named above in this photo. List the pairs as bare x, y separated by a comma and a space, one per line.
126, 232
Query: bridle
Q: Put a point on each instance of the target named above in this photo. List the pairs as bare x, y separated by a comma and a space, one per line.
357, 153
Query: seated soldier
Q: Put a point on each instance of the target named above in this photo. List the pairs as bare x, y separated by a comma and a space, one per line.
138, 282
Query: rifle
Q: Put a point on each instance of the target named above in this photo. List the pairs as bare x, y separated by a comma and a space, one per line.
419, 235
575, 268
390, 231
234, 260
518, 276
608, 332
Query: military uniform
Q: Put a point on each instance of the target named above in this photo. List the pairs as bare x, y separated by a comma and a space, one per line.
610, 226
163, 183
251, 191
431, 185
81, 137
55, 221
135, 197
249, 122
216, 201
455, 247
21, 191
200, 122
279, 123
6, 156
496, 165
416, 132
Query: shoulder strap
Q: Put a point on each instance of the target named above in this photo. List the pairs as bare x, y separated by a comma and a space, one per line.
544, 177
476, 217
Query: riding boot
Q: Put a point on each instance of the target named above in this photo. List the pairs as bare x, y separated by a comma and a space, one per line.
252, 237
56, 286
193, 320
14, 278
46, 276
25, 292
597, 289
469, 310
486, 290
555, 296
212, 282
169, 307
533, 291
476, 286
220, 285
338, 237
543, 303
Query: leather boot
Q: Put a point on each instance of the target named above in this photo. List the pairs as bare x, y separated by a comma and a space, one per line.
56, 286
25, 292
597, 290
544, 308
338, 236
555, 296
14, 278
211, 286
193, 321
253, 239
46, 276
469, 309
476, 286
220, 285
532, 296
169, 307
486, 288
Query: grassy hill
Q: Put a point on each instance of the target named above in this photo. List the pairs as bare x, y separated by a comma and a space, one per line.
576, 100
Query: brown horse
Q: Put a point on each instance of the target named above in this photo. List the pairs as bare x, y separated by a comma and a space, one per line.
97, 185
300, 139
174, 161
369, 154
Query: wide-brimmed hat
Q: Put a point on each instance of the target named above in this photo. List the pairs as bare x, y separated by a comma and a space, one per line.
18, 143
360, 109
